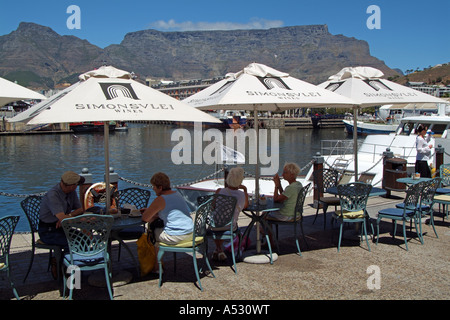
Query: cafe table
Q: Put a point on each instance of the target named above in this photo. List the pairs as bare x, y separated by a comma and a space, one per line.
122, 222
257, 212
412, 181
374, 192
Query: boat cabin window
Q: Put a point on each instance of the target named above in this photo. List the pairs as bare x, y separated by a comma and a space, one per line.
411, 128
439, 128
406, 128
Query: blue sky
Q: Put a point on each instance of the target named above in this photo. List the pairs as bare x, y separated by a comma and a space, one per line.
413, 34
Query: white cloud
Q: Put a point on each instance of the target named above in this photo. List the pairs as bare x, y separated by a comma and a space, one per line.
254, 23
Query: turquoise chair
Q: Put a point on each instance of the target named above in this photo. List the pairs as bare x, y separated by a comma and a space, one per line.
426, 203
88, 237
7, 226
220, 221
139, 198
444, 174
408, 212
194, 245
324, 179
443, 192
297, 219
31, 207
353, 201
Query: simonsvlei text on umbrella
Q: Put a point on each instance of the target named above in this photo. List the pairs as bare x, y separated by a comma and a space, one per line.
125, 108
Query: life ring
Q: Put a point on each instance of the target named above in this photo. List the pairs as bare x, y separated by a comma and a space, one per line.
98, 187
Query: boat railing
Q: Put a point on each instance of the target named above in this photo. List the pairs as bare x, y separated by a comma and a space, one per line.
375, 150
336, 147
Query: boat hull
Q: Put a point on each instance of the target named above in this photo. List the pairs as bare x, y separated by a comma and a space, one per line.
364, 128
90, 127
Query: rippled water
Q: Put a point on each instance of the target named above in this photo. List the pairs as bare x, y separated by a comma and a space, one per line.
34, 163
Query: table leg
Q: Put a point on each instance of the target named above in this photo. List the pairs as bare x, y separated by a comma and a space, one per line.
115, 236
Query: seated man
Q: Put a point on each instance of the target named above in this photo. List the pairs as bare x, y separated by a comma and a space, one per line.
59, 203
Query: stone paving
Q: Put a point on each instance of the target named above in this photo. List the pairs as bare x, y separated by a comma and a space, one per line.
321, 273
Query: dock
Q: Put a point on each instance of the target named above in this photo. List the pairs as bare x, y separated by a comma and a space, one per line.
321, 273
315, 122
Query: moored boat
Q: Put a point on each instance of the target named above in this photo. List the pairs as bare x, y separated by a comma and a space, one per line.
388, 118
402, 143
95, 126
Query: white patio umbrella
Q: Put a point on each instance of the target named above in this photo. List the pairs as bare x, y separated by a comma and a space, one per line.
10, 91
261, 88
366, 86
109, 94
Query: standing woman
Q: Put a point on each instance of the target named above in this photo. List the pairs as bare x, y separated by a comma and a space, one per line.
423, 148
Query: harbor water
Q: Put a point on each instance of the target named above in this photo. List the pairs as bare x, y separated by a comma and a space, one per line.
34, 163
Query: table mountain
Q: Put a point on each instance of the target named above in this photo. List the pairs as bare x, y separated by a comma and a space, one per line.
37, 56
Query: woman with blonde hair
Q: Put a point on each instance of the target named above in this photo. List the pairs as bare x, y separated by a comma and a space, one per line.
286, 196
233, 188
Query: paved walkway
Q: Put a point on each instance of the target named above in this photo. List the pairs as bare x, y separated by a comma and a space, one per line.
320, 273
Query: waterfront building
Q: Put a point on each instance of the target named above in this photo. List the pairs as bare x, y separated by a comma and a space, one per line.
434, 90
181, 89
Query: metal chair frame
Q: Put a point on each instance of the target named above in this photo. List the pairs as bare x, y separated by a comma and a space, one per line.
88, 238
297, 218
197, 244
31, 207
407, 213
139, 198
330, 179
7, 226
222, 216
427, 202
353, 199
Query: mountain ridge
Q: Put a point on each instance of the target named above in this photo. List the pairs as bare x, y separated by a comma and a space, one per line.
44, 58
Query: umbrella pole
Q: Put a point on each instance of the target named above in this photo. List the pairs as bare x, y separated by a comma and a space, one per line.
355, 140
256, 124
106, 147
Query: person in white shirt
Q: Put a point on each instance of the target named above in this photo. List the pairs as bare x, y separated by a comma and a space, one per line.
423, 147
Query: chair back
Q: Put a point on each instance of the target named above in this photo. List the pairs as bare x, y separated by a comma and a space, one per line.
301, 201
88, 234
412, 196
7, 226
444, 174
31, 205
202, 199
330, 178
135, 196
201, 219
353, 196
222, 211
428, 191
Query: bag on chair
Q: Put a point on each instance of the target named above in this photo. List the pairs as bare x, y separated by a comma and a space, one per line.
146, 254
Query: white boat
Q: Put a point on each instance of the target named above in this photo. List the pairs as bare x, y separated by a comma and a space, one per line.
121, 126
372, 127
388, 118
401, 143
